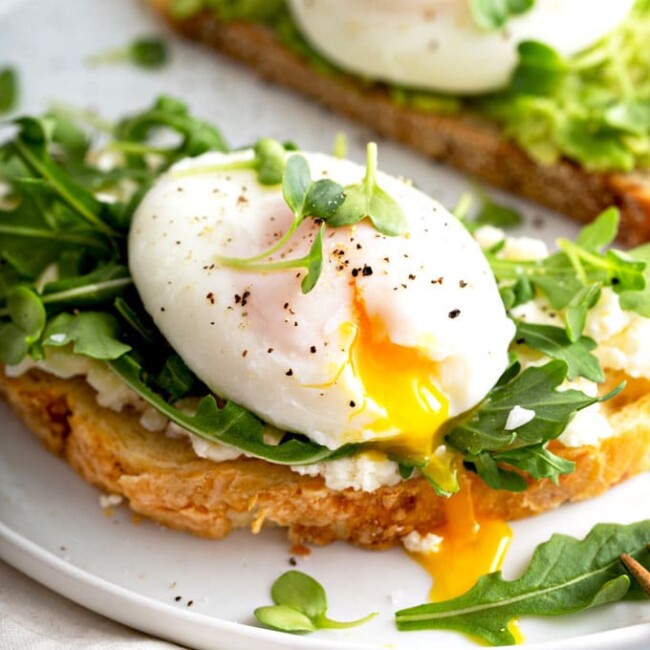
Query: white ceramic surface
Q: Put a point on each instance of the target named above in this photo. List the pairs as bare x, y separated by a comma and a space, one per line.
51, 525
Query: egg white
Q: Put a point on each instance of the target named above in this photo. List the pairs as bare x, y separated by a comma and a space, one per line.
256, 339
436, 45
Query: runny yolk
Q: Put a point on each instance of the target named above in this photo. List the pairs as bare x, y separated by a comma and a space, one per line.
470, 548
401, 382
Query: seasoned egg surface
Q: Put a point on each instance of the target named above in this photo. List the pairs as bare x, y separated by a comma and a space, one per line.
436, 45
399, 334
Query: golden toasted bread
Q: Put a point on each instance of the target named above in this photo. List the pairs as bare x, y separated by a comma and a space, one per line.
466, 141
163, 479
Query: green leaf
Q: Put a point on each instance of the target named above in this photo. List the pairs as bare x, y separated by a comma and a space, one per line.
630, 116
576, 312
594, 144
601, 231
386, 214
301, 592
169, 114
300, 606
176, 378
270, 160
639, 300
314, 262
495, 214
480, 435
324, 197
148, 52
540, 70
231, 425
367, 199
565, 575
494, 14
296, 183
31, 147
353, 209
8, 89
284, 619
93, 334
537, 461
554, 343
28, 319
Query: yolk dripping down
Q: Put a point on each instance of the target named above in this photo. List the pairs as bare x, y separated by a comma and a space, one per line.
470, 547
401, 382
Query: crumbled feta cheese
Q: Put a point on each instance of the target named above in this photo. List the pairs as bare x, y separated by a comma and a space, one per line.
606, 318
588, 427
489, 236
109, 500
515, 248
520, 249
629, 350
518, 416
539, 312
112, 392
212, 450
153, 420
417, 543
396, 597
364, 472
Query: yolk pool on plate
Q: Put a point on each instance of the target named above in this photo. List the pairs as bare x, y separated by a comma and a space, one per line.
470, 548
401, 381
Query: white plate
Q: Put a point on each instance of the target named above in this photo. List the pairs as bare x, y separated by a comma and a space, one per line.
51, 526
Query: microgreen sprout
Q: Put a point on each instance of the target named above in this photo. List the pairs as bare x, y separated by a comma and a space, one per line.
268, 161
494, 14
145, 52
300, 606
8, 89
325, 201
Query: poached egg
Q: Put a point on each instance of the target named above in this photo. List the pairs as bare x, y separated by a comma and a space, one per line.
398, 335
436, 44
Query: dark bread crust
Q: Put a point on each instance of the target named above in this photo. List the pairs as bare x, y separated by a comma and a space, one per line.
468, 142
163, 479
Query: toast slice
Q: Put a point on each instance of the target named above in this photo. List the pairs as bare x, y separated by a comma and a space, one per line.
470, 143
164, 480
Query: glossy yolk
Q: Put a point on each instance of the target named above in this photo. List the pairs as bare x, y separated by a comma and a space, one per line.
401, 382
470, 548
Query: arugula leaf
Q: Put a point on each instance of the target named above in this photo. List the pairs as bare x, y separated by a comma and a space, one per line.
31, 145
8, 89
300, 606
565, 575
639, 301
569, 278
231, 425
28, 319
601, 231
480, 436
93, 334
554, 343
493, 14
176, 378
167, 113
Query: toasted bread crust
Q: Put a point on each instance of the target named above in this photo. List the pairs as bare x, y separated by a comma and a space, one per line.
469, 143
163, 479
